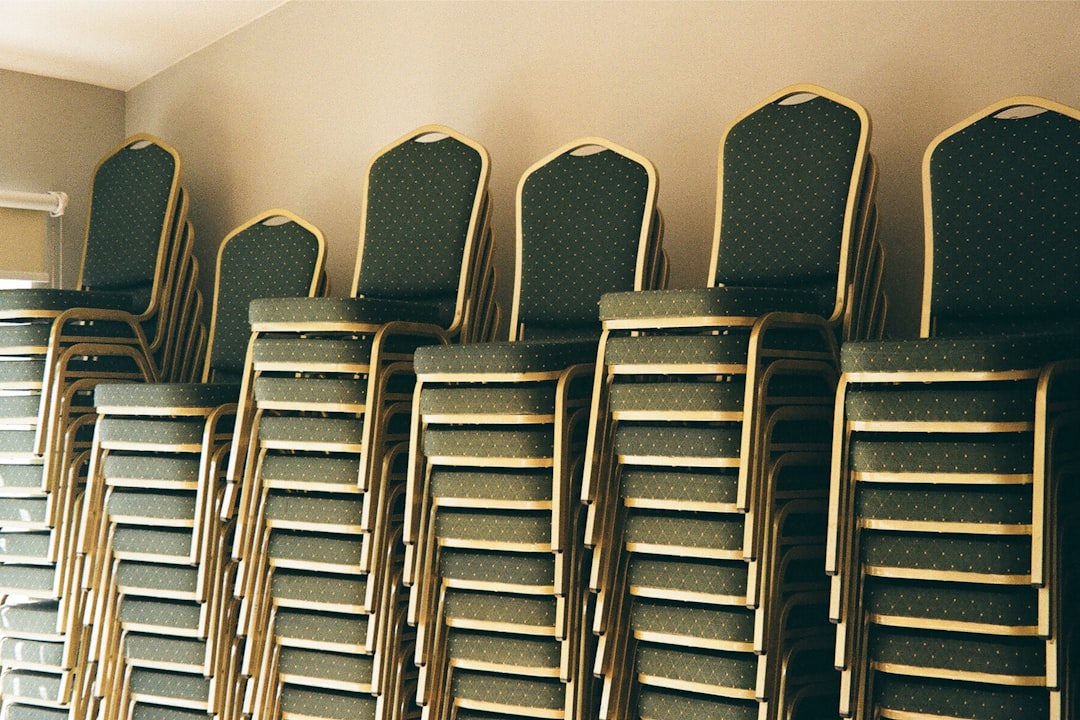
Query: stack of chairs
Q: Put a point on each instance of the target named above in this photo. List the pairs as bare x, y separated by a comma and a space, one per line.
161, 613
55, 346
954, 504
707, 453
494, 552
317, 472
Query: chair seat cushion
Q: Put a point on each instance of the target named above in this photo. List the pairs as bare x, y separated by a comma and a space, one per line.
526, 356
313, 665
510, 399
165, 395
727, 301
959, 354
1005, 401
38, 618
52, 299
371, 311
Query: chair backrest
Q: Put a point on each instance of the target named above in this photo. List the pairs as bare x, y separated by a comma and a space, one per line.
275, 254
420, 217
133, 198
584, 215
789, 189
1002, 217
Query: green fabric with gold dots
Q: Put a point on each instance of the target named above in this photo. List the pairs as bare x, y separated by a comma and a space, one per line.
420, 201
581, 221
261, 261
787, 171
128, 213
1006, 221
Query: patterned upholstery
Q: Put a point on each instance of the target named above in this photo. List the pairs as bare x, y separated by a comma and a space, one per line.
490, 398
714, 624
664, 440
492, 484
326, 704
678, 350
703, 580
669, 704
973, 605
133, 190
421, 199
984, 402
32, 653
47, 299
716, 671
481, 607
15, 711
729, 301
538, 356
159, 685
970, 701
259, 260
687, 486
583, 212
799, 200
958, 354
339, 668
512, 692
30, 619
1023, 657
181, 651
514, 653
992, 185
362, 311
164, 395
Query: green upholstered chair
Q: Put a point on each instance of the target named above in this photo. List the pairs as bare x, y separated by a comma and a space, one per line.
494, 555
948, 500
791, 246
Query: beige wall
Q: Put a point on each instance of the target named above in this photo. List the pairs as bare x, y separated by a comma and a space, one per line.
287, 110
54, 134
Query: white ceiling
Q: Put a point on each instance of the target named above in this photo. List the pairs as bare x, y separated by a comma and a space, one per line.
114, 43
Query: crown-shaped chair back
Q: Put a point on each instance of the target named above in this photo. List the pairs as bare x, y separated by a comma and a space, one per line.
583, 227
133, 197
789, 189
421, 217
1002, 215
275, 254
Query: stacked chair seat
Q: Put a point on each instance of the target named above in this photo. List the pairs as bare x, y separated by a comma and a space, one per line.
953, 485
155, 548
318, 467
56, 345
706, 472
493, 534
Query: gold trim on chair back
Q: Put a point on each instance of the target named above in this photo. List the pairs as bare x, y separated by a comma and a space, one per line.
273, 269
110, 271
421, 217
1000, 204
803, 151
618, 187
